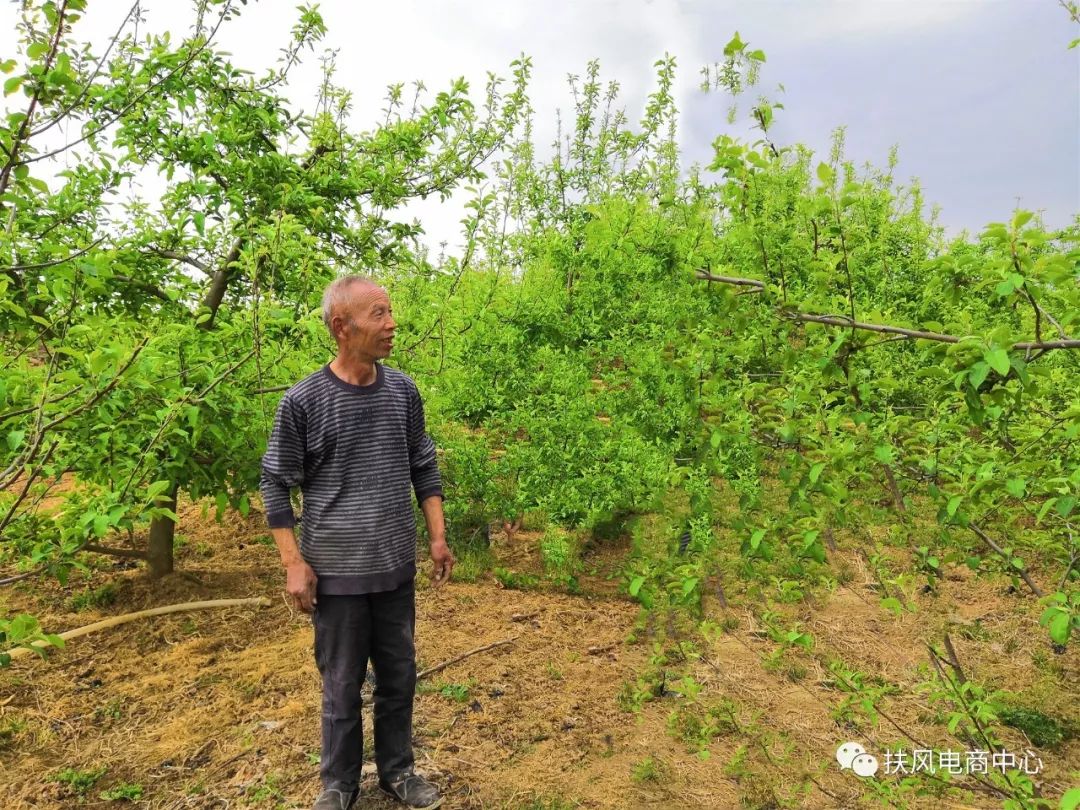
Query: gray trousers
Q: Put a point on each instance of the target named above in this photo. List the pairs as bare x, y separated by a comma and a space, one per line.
350, 630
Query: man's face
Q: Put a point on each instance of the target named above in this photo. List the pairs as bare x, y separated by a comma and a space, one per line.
365, 326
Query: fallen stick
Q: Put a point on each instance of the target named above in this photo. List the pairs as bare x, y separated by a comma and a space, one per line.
463, 656
261, 601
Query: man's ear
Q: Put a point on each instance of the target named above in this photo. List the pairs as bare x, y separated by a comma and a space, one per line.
337, 325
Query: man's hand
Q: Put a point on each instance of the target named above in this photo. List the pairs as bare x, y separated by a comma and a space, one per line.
300, 583
300, 580
443, 563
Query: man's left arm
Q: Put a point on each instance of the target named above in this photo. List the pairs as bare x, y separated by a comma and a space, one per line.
441, 556
427, 482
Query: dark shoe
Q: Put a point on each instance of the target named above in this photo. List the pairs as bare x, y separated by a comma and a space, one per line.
413, 790
331, 799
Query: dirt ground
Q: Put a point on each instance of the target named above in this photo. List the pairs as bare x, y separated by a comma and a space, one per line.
220, 708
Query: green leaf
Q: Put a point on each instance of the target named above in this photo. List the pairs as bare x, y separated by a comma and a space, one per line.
978, 373
1065, 505
15, 438
1059, 627
884, 453
998, 360
715, 439
893, 605
13, 84
1071, 799
101, 525
954, 504
155, 489
1016, 487
1021, 219
635, 585
734, 45
815, 471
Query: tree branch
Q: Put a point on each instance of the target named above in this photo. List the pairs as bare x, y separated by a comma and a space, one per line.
220, 282
18, 268
23, 134
26, 487
738, 282
56, 119
145, 286
131, 104
99, 394
845, 322
1035, 589
115, 552
176, 255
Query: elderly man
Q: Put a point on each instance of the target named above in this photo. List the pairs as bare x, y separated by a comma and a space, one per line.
351, 436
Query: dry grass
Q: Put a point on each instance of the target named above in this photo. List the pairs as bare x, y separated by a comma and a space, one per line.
221, 709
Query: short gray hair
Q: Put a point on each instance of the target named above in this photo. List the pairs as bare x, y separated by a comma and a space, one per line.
334, 295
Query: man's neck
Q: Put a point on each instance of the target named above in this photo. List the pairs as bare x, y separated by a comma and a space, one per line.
352, 371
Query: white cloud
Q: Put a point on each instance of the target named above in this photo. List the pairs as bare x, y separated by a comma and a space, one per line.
833, 42
845, 18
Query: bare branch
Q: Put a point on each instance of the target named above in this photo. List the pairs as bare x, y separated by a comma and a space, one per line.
20, 577
182, 257
145, 286
115, 552
738, 282
845, 322
1035, 589
26, 487
18, 268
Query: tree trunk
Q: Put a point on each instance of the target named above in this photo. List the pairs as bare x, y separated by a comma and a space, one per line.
159, 548
220, 282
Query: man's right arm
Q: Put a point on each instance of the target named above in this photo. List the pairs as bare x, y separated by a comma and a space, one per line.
300, 580
283, 469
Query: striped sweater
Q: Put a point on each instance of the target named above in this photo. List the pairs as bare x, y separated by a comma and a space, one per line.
357, 453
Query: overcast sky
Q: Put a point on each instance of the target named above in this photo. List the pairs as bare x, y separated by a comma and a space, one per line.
981, 96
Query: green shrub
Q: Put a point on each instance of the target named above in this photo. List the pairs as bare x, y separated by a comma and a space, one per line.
78, 781
125, 791
1043, 731
516, 581
99, 597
